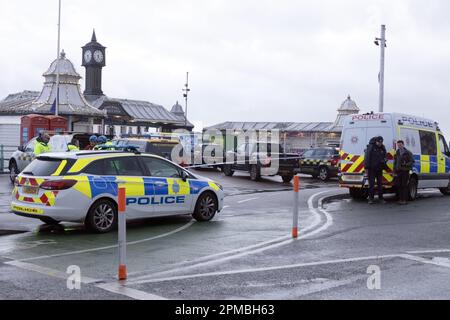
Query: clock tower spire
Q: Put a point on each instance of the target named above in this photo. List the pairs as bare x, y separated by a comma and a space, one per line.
93, 60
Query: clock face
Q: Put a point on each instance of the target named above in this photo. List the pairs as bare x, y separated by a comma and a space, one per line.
88, 56
98, 56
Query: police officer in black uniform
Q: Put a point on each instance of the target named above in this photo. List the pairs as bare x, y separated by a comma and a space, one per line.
375, 163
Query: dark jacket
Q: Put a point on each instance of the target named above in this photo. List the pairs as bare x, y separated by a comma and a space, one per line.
375, 158
403, 162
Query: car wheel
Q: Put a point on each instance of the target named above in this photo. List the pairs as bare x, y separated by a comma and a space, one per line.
255, 172
412, 187
102, 216
206, 207
13, 171
358, 193
227, 170
445, 191
323, 173
287, 179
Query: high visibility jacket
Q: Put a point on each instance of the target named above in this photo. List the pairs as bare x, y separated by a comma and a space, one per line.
41, 147
72, 147
107, 143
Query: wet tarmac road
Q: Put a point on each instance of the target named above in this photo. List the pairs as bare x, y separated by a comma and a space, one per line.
246, 252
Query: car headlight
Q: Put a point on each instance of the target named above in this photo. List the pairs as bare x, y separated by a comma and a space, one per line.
219, 185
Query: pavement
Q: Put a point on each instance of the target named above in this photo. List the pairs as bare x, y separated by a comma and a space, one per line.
345, 250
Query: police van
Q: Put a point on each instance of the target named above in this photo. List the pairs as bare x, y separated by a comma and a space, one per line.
421, 136
82, 187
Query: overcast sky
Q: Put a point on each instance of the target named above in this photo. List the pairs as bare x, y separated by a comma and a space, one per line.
249, 60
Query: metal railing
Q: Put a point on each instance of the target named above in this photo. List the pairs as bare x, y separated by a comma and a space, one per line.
5, 154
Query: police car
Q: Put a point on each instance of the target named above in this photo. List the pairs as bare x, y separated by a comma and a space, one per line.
82, 187
321, 163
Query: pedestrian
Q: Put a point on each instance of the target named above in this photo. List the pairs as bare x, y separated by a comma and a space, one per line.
42, 145
375, 163
73, 145
403, 164
92, 143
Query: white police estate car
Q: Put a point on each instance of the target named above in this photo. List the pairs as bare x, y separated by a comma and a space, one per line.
82, 187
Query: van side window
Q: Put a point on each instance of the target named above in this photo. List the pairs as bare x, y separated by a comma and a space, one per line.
428, 143
443, 145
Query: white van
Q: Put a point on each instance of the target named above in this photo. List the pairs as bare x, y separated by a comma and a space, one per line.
421, 136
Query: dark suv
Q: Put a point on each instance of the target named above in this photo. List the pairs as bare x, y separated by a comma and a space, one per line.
321, 163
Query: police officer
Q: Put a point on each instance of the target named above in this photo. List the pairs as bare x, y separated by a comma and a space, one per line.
73, 145
92, 143
102, 140
403, 163
375, 162
41, 145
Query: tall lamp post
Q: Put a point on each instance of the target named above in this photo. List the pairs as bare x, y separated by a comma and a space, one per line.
185, 96
381, 42
57, 59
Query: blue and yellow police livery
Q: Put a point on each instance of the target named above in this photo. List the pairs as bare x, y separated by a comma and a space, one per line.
82, 187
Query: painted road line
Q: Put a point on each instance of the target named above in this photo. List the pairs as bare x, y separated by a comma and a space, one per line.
111, 287
190, 223
434, 261
129, 292
247, 200
328, 220
438, 262
254, 249
47, 271
254, 270
429, 251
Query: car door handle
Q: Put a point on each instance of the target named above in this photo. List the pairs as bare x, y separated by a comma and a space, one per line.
160, 184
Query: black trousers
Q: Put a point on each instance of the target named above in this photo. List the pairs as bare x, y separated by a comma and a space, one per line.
375, 174
402, 185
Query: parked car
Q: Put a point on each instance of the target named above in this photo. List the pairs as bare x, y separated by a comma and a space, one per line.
322, 163
58, 143
254, 156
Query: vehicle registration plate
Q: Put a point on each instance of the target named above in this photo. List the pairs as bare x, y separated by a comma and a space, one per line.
30, 190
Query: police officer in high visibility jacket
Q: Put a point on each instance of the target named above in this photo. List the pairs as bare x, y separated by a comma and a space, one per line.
41, 145
73, 145
102, 140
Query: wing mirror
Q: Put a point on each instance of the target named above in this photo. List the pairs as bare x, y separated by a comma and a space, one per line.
184, 175
21, 148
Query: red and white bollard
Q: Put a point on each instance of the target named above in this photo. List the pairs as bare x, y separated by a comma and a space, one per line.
295, 212
121, 197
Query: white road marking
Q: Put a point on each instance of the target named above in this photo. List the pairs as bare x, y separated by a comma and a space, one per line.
247, 200
258, 248
129, 292
429, 251
47, 271
112, 246
328, 223
253, 270
438, 262
111, 287
434, 261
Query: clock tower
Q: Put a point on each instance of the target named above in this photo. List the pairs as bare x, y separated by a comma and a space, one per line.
93, 60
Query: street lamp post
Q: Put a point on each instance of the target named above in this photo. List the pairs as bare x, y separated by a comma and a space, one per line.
381, 42
185, 95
